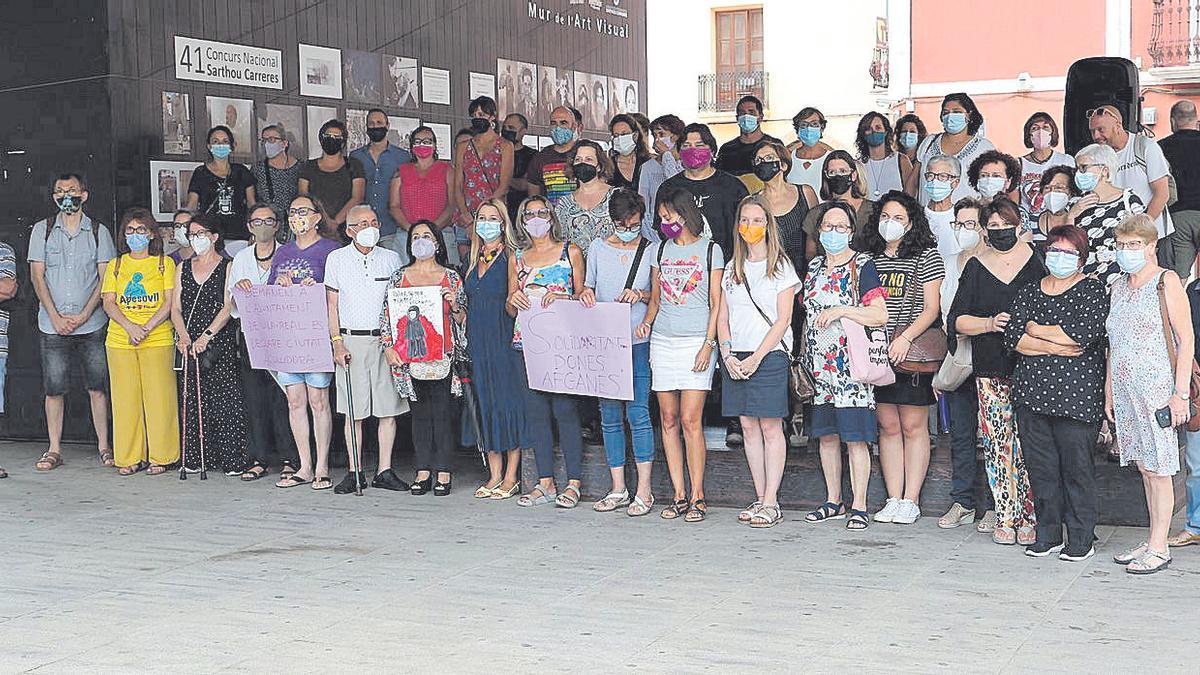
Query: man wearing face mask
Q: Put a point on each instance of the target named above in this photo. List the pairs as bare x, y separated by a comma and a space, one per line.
356, 283
67, 257
737, 156
547, 171
380, 161
942, 174
276, 176
513, 131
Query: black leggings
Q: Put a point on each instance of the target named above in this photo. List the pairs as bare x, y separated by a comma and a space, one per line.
434, 417
266, 409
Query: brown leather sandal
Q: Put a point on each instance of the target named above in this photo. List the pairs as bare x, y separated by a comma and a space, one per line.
49, 461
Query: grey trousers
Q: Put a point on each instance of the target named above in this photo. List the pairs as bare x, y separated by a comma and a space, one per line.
1184, 242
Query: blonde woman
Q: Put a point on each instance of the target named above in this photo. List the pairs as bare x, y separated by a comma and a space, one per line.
754, 326
496, 366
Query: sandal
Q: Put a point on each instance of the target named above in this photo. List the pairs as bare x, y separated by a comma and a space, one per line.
291, 481
826, 511
1004, 535
639, 507
106, 457
676, 509
485, 491
747, 513
565, 500
858, 520
697, 512
612, 501
544, 496
322, 483
132, 469
254, 472
287, 471
769, 515
1146, 565
49, 461
1026, 535
1132, 554
157, 470
3, 473
501, 493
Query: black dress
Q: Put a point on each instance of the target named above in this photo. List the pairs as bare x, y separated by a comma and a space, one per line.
220, 384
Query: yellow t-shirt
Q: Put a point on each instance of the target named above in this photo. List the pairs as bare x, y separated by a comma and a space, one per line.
141, 288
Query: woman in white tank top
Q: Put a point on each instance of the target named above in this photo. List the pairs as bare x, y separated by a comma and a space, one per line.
808, 153
884, 169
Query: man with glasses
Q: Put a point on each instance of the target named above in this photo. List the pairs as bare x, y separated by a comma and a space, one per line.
67, 257
380, 161
1141, 167
276, 176
356, 283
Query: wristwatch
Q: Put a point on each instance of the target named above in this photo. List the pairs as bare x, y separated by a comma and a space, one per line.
711, 343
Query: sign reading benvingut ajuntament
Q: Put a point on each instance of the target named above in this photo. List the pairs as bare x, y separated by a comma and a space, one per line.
227, 63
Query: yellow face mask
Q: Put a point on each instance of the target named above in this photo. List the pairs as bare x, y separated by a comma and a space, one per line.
752, 234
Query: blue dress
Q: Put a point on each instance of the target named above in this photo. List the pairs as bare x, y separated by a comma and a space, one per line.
498, 375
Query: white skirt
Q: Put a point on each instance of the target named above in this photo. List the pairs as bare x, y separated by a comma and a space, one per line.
671, 361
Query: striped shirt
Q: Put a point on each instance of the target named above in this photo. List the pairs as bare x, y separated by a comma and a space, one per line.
8, 270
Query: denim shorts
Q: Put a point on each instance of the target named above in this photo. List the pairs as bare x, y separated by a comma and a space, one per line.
314, 380
56, 361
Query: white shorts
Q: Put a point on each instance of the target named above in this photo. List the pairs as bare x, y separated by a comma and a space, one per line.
671, 361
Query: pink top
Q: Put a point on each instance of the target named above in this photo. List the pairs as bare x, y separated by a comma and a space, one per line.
423, 197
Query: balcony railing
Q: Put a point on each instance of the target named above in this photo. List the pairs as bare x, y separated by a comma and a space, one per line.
719, 92
1175, 33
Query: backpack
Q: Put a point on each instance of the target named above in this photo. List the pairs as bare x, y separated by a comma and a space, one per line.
1141, 143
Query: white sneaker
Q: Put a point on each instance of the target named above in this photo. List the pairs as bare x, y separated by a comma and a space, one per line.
907, 512
888, 513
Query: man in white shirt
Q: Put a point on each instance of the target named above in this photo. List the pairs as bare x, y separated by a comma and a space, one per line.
357, 277
1141, 166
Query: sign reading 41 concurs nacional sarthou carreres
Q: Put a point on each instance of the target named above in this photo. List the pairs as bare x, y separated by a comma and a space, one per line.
227, 63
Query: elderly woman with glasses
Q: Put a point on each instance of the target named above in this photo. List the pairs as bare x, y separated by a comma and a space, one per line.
1101, 208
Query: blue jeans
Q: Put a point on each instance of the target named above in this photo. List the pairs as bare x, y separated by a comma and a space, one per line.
1192, 484
964, 423
636, 411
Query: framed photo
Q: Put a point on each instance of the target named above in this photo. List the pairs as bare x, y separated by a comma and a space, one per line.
622, 96
356, 129
177, 123
400, 82
362, 77
399, 128
435, 85
291, 119
317, 115
320, 71
168, 187
516, 85
238, 115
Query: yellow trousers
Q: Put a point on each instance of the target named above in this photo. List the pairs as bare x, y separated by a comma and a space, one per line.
144, 404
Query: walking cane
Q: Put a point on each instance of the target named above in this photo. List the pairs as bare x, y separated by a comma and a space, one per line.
183, 445
353, 435
199, 418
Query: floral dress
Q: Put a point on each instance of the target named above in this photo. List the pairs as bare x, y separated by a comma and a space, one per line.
403, 375
825, 350
553, 278
481, 175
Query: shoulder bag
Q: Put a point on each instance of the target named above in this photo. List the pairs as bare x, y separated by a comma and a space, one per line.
926, 353
1193, 422
800, 380
867, 348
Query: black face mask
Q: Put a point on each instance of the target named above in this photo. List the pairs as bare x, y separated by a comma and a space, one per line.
839, 185
1003, 239
480, 125
376, 134
765, 171
586, 173
331, 145
509, 135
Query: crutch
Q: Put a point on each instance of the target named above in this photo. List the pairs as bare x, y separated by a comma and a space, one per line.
353, 435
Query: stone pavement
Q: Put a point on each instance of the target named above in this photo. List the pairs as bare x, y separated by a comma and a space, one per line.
100, 574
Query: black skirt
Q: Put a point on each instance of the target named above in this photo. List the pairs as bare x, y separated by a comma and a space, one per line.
909, 389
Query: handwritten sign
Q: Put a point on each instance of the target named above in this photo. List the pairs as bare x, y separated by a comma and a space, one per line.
286, 329
571, 349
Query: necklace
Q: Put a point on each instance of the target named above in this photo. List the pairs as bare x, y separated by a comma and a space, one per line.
875, 173
486, 257
269, 256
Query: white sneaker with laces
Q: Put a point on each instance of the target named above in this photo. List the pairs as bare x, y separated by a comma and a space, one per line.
888, 513
907, 512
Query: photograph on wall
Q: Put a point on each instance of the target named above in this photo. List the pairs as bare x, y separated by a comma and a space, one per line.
362, 77
445, 139
177, 123
435, 85
320, 71
238, 115
399, 129
622, 96
547, 97
481, 84
516, 86
583, 98
420, 325
564, 92
400, 81
168, 187
291, 119
316, 115
599, 100
356, 129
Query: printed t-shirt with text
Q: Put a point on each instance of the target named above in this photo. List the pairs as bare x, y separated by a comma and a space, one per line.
140, 287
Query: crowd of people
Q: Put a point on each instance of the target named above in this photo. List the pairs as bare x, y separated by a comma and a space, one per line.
805, 288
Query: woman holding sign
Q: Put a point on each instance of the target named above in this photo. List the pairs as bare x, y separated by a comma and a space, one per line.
754, 326
303, 262
685, 294
618, 270
420, 331
543, 269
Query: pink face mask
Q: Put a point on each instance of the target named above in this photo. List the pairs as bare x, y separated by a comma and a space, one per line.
670, 229
694, 158
537, 227
423, 151
1041, 139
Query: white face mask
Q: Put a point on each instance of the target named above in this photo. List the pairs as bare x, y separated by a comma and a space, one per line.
624, 144
1055, 201
181, 236
367, 237
967, 239
201, 243
891, 229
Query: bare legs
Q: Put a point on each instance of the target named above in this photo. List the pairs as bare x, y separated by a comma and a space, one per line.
300, 398
903, 449
766, 453
682, 410
54, 420
502, 468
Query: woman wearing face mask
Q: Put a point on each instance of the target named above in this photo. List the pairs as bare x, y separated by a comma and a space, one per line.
754, 327
1145, 377
995, 174
207, 345
339, 182
136, 292
618, 270
1041, 135
961, 122
422, 189
840, 181
629, 152
789, 203
841, 284
544, 268
887, 169
910, 131
276, 177
717, 192
1056, 327
182, 249
943, 173
905, 254
264, 403
430, 387
584, 211
665, 132
483, 165
1101, 208
809, 151
223, 189
681, 322
989, 282
303, 262
1056, 192
495, 366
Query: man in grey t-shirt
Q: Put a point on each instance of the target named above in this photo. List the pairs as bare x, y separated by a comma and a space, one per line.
67, 257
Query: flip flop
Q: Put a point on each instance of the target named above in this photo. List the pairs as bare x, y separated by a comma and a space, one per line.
322, 483
291, 481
